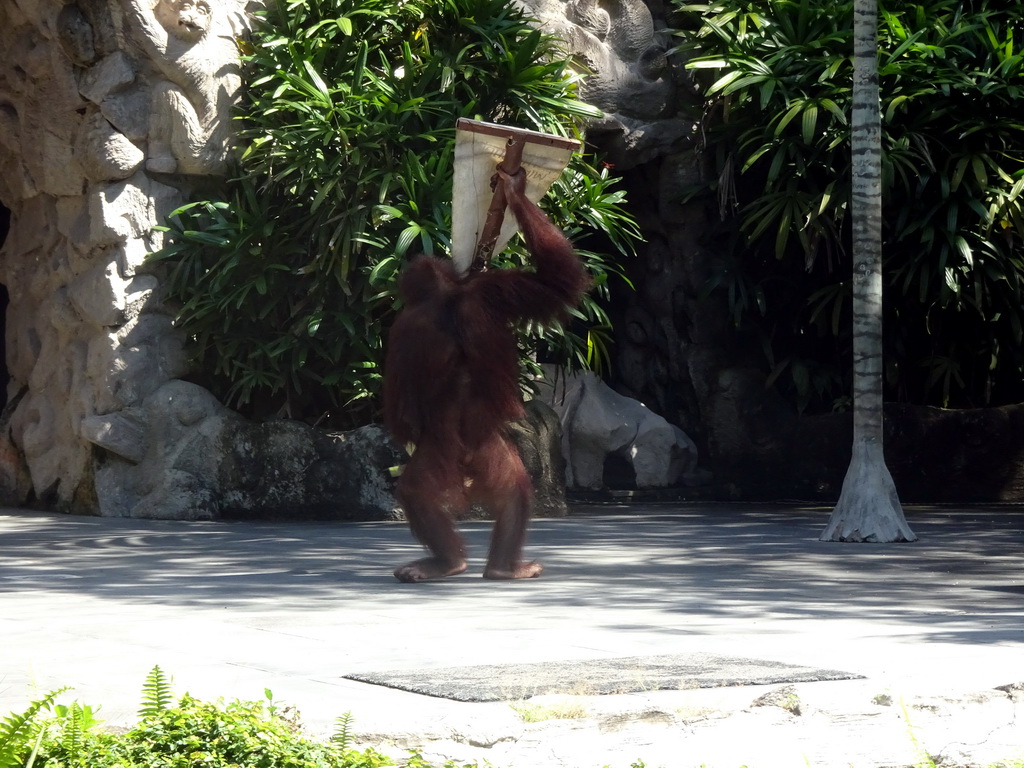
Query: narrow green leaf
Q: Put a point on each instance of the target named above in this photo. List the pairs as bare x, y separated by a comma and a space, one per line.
810, 123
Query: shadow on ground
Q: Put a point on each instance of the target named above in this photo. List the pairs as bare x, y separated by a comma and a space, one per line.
961, 582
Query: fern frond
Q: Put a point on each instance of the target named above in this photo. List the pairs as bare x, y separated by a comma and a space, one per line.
17, 730
156, 693
73, 730
342, 736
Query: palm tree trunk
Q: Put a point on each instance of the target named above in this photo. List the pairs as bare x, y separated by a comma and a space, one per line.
869, 508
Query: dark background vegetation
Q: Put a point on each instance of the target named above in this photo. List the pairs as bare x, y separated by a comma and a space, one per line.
778, 75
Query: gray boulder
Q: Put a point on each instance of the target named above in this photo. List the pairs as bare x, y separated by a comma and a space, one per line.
287, 468
538, 439
598, 422
182, 455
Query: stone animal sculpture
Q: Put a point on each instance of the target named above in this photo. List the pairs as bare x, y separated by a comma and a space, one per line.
451, 388
195, 50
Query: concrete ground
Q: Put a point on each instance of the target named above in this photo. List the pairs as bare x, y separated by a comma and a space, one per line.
231, 609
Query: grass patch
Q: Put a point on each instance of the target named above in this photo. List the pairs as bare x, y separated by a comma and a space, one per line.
538, 712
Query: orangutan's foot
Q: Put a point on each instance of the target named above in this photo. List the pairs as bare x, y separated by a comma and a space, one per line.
529, 570
430, 568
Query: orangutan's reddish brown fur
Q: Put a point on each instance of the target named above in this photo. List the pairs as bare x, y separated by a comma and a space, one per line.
451, 388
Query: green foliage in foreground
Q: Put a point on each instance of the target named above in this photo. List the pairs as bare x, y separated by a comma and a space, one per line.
22, 732
196, 734
186, 734
286, 283
779, 76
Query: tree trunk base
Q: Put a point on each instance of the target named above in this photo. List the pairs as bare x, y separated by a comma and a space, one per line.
869, 508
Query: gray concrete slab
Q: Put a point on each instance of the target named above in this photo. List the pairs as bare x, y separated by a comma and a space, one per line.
628, 674
231, 609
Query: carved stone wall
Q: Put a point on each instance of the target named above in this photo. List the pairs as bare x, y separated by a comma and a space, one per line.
106, 107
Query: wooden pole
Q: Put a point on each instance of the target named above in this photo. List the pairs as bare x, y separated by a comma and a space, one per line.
496, 212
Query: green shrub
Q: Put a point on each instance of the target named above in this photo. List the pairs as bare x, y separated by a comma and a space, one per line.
21, 733
186, 734
286, 284
197, 734
951, 80
234, 734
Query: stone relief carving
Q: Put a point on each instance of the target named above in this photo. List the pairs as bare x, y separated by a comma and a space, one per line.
628, 76
191, 43
85, 87
76, 35
618, 43
104, 153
